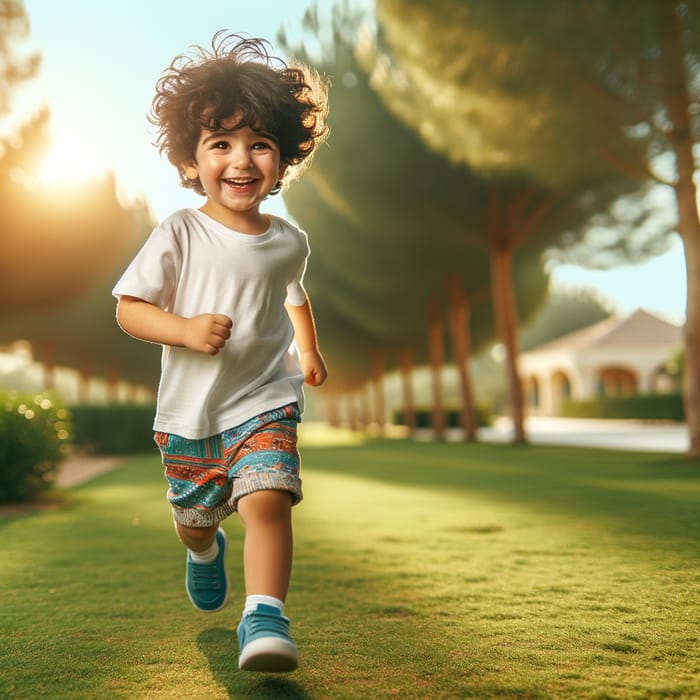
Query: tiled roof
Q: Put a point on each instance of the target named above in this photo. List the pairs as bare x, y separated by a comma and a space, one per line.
639, 328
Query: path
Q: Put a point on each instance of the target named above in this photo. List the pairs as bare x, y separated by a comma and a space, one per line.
80, 468
651, 436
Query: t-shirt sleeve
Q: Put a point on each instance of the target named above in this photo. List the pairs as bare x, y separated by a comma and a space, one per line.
296, 294
152, 275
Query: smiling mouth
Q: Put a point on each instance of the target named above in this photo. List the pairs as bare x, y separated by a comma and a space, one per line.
239, 181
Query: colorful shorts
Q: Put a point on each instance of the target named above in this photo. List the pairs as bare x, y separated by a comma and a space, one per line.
207, 477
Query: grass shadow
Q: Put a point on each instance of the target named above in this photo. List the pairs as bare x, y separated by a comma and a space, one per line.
45, 503
649, 494
220, 647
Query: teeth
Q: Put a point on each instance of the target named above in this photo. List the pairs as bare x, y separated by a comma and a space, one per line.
239, 181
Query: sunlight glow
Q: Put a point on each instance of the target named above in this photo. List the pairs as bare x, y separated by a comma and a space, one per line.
73, 157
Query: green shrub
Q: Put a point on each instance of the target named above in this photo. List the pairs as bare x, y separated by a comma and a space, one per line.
643, 407
113, 428
453, 418
34, 430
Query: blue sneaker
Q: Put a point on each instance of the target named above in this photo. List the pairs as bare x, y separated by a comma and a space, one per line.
207, 584
264, 641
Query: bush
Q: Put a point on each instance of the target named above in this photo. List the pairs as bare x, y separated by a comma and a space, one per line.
453, 418
641, 407
113, 428
34, 431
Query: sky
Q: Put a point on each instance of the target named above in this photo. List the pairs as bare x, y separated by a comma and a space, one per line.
100, 64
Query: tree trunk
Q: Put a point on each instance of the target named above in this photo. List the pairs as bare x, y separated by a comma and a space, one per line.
112, 384
677, 101
436, 334
84, 381
409, 407
332, 410
47, 352
378, 391
460, 316
507, 324
351, 407
365, 412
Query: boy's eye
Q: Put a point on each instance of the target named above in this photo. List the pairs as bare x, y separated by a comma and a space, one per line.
261, 145
220, 144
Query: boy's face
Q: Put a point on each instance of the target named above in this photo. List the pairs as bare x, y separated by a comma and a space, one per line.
237, 168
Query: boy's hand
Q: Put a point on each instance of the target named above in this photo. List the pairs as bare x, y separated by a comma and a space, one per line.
207, 333
313, 367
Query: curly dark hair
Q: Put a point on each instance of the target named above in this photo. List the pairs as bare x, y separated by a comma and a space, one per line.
239, 76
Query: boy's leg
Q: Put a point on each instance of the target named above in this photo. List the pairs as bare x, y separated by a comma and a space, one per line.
263, 634
196, 539
197, 474
265, 486
267, 553
206, 579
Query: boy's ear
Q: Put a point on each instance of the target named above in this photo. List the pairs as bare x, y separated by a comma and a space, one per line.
189, 167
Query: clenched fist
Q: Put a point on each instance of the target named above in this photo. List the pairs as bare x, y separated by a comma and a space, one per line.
207, 333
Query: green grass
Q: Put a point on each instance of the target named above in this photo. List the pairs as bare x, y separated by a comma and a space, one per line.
421, 571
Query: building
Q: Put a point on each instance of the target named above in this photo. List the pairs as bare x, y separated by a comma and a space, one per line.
615, 357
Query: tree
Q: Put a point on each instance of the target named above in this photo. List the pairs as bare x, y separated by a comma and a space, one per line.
61, 300
566, 91
59, 259
447, 222
14, 25
378, 228
565, 312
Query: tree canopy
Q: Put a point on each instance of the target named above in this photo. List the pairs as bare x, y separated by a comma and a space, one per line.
390, 221
14, 69
61, 249
572, 92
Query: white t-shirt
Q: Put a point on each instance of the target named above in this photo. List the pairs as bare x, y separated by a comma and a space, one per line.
192, 264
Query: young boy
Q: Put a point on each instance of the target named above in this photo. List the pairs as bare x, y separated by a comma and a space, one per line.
220, 287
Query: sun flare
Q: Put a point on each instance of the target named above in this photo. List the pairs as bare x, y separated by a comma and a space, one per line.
72, 157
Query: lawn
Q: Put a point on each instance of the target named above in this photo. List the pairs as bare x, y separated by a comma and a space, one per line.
422, 570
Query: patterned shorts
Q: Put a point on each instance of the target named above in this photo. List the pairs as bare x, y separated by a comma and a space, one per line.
207, 477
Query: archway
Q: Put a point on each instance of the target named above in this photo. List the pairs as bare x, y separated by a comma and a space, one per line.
532, 392
617, 381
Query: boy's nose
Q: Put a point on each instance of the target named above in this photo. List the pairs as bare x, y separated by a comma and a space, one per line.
241, 159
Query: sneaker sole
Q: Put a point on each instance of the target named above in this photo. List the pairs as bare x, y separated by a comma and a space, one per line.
269, 655
228, 586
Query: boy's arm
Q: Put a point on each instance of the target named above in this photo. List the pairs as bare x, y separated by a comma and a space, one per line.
312, 363
205, 333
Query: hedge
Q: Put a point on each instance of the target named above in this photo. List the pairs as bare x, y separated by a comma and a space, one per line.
453, 418
113, 428
642, 407
34, 431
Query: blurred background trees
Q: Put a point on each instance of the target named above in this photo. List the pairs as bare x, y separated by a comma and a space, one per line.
63, 245
454, 152
14, 69
473, 143
570, 92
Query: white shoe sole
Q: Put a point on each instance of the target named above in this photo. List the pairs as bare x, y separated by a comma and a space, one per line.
270, 655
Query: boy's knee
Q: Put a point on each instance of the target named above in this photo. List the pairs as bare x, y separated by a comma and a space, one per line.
190, 535
265, 504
